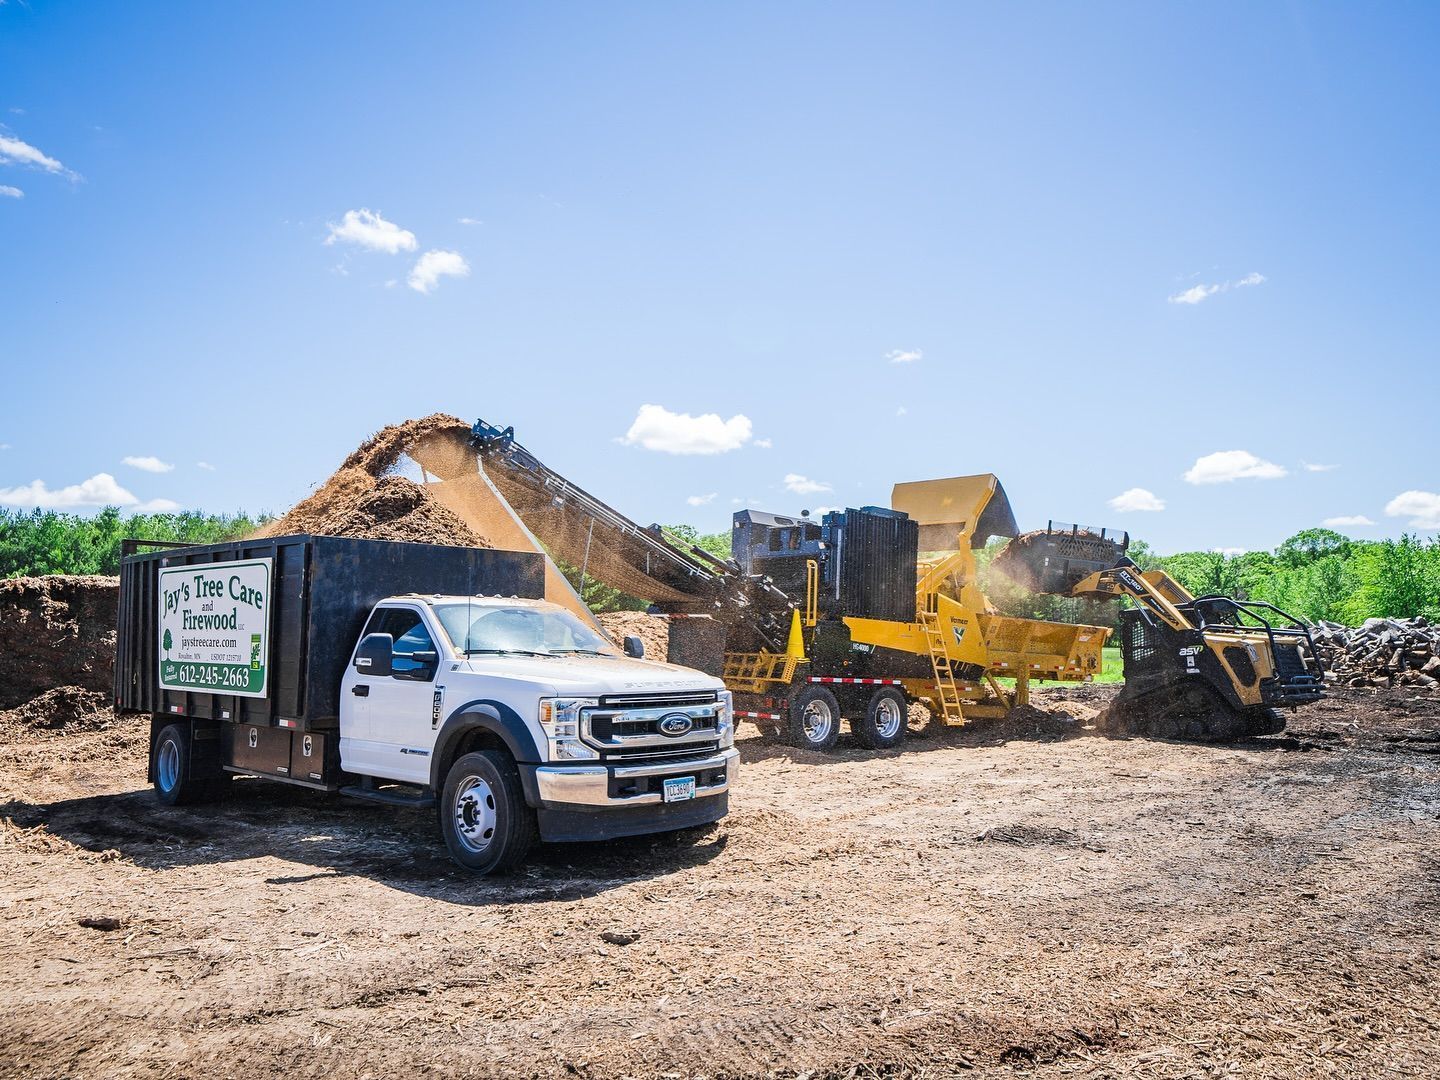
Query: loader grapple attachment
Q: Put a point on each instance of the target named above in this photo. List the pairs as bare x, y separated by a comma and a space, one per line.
1059, 557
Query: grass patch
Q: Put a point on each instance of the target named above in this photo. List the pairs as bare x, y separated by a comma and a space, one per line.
1112, 670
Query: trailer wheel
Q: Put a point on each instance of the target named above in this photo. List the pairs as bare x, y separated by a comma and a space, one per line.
886, 717
173, 785
814, 719
486, 823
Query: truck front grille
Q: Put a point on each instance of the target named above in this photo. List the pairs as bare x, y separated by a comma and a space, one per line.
632, 727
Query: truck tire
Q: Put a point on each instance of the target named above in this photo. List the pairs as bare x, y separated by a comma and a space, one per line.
173, 785
486, 823
814, 719
885, 720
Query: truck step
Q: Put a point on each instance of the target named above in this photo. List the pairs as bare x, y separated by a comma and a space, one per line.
420, 800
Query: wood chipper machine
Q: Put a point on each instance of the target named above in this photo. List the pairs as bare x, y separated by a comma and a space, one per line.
888, 612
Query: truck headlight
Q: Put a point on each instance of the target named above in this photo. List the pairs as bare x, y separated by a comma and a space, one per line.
725, 720
560, 719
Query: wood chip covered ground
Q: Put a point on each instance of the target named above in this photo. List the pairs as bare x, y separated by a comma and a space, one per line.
1025, 899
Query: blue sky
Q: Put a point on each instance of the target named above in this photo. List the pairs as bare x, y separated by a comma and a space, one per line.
1085, 247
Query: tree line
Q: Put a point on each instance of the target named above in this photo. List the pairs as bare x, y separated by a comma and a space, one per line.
1315, 574
51, 542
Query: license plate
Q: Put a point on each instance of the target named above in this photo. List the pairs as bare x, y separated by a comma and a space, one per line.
679, 788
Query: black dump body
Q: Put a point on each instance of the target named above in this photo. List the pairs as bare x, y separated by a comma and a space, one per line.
322, 588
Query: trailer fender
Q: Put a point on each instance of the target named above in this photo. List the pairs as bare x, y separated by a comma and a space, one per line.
493, 716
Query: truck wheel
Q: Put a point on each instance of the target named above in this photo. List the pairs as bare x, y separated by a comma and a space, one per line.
814, 719
487, 825
172, 769
885, 718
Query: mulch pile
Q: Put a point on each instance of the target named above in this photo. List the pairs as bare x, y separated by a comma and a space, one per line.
56, 631
365, 500
653, 630
71, 707
1381, 652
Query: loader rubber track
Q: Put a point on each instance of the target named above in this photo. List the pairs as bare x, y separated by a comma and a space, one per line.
1193, 712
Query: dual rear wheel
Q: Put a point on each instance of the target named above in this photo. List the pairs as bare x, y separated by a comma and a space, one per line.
813, 722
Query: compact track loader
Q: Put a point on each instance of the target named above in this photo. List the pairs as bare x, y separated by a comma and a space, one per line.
1211, 668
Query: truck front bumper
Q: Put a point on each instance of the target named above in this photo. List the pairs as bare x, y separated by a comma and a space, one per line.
598, 802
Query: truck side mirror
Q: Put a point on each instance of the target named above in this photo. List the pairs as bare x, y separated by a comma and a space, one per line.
425, 661
375, 655
634, 647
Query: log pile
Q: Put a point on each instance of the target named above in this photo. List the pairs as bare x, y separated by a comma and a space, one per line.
1381, 653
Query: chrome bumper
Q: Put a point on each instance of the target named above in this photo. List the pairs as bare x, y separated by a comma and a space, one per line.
589, 785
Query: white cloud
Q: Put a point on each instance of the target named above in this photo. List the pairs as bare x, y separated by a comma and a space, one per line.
205, 465
803, 485
900, 410
4, 446
148, 464
14, 151
1135, 499
432, 266
904, 356
370, 230
100, 490
470, 221
701, 500
1421, 507
1310, 466
157, 506
657, 428
1346, 520
1229, 551
11, 192
763, 444
1196, 293
820, 511
1226, 465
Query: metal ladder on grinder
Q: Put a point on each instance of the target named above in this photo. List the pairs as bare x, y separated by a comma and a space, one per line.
947, 694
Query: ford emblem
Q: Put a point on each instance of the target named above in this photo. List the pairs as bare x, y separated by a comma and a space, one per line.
675, 724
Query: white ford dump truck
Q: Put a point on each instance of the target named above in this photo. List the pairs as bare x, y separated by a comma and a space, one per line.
416, 675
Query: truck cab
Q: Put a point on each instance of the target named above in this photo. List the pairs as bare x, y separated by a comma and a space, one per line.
520, 721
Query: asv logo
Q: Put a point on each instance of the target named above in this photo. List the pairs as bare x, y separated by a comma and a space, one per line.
1192, 650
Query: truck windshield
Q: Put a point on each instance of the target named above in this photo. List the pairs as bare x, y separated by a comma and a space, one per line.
477, 628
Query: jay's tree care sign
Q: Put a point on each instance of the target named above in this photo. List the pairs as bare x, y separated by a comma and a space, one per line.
215, 627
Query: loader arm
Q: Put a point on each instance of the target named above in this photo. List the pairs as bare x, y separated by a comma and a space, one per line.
1154, 590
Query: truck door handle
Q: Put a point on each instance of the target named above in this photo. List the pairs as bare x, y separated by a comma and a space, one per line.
360, 691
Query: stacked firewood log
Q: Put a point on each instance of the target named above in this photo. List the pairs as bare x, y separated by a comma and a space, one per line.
1381, 652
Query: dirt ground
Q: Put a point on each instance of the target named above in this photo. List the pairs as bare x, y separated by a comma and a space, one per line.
1020, 898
